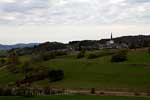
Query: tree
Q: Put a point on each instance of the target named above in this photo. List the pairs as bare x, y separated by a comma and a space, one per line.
13, 58
81, 54
56, 75
93, 91
26, 69
2, 61
146, 42
36, 58
48, 56
133, 46
149, 50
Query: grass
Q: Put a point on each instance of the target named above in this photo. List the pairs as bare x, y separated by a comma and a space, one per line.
97, 73
73, 98
84, 74
7, 77
139, 57
101, 73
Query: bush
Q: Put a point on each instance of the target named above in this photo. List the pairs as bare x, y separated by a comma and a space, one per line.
81, 54
101, 53
137, 94
120, 56
13, 69
47, 90
36, 58
60, 53
93, 56
7, 92
133, 46
149, 50
1, 91
48, 56
13, 58
2, 61
56, 75
148, 93
102, 93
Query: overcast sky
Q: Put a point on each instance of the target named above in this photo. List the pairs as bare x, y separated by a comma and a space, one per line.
66, 20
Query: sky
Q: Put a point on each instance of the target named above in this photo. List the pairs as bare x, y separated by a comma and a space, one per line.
25, 21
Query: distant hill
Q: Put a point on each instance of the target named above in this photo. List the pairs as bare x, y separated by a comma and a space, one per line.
42, 47
138, 41
20, 45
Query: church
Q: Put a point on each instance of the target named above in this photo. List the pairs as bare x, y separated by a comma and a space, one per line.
110, 44
111, 41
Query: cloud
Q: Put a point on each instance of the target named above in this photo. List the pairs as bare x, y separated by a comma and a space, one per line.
138, 1
23, 5
8, 1
74, 11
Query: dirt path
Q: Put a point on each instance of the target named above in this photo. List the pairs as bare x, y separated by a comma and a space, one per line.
111, 93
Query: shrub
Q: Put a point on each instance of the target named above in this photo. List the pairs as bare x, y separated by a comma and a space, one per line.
149, 50
47, 90
36, 58
133, 46
81, 54
102, 93
125, 51
2, 61
137, 94
48, 56
7, 92
13, 58
13, 69
1, 91
120, 56
93, 56
56, 75
148, 93
101, 53
60, 53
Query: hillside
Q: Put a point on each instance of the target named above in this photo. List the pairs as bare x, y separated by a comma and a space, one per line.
99, 73
139, 41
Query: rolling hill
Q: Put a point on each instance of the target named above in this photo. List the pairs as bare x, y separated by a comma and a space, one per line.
8, 47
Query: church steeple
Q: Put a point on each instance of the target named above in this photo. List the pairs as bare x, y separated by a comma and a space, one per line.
111, 36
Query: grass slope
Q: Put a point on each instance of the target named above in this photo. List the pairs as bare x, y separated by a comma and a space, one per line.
95, 73
101, 73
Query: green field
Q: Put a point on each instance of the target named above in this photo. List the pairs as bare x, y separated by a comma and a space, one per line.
72, 98
97, 73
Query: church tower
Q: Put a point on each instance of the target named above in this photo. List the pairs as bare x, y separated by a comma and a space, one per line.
111, 39
111, 36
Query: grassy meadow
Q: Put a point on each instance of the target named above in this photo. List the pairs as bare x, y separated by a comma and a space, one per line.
100, 73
